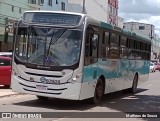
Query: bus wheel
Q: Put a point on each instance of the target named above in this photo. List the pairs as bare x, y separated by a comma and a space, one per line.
99, 91
42, 98
134, 85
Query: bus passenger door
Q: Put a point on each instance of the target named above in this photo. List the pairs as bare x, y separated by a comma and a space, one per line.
90, 63
91, 57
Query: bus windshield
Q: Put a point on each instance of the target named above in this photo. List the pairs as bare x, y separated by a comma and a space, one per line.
48, 46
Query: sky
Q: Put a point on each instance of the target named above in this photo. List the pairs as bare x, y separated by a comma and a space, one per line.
143, 11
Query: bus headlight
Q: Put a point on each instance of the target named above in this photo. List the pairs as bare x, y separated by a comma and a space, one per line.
77, 78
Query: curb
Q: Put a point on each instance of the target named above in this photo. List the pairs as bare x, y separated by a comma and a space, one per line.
9, 95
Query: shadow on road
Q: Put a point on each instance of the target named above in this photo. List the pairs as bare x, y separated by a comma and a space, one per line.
119, 101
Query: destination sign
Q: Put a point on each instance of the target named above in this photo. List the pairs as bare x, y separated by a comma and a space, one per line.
51, 18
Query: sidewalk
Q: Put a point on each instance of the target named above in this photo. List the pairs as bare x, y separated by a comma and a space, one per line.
5, 92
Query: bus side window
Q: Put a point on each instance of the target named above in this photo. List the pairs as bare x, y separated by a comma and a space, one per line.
91, 48
88, 43
123, 49
114, 51
105, 44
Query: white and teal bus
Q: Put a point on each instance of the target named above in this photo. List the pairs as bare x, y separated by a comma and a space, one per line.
73, 56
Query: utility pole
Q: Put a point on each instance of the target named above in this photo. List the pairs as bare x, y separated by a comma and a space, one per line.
132, 26
6, 31
152, 43
83, 9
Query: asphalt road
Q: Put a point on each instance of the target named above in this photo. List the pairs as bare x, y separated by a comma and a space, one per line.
146, 100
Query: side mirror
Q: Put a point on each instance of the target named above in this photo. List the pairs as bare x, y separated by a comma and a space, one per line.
5, 37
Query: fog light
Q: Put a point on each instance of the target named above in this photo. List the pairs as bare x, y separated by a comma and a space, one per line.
77, 78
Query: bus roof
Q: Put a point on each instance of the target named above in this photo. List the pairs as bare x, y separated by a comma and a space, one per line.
64, 12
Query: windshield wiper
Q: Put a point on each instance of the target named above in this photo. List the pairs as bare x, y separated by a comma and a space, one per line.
53, 41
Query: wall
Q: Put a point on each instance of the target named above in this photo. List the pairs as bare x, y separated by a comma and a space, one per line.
120, 22
55, 6
6, 11
149, 30
94, 8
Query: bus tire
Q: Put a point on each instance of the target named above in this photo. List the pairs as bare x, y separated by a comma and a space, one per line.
134, 84
42, 98
99, 92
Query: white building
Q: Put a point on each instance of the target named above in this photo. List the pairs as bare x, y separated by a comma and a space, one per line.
104, 10
146, 30
120, 22
54, 5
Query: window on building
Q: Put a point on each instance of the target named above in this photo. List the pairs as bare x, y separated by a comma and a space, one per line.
63, 6
40, 2
141, 27
20, 10
56, 1
50, 2
114, 11
12, 8
32, 1
110, 9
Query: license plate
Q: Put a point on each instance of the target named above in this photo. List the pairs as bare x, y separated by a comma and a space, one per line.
41, 87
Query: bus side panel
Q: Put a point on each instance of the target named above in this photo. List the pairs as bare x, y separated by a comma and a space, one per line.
115, 76
130, 67
88, 81
118, 75
124, 71
107, 68
142, 66
136, 66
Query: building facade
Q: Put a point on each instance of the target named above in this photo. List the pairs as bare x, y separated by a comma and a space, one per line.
54, 5
10, 11
146, 30
120, 22
103, 10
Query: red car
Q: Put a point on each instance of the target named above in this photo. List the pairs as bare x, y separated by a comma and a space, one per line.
157, 66
5, 70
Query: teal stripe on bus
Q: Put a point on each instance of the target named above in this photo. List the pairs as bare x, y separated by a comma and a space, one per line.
115, 69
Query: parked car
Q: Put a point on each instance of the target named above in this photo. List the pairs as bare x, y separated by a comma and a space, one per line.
5, 70
6, 54
157, 66
152, 67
